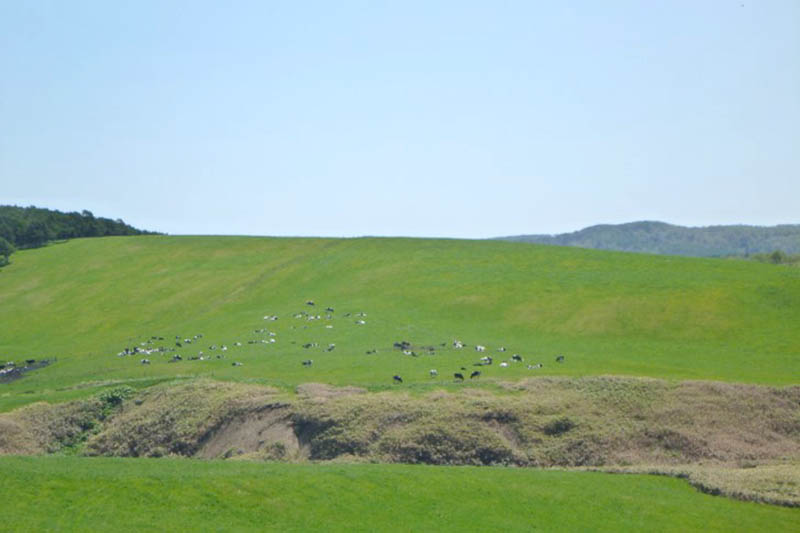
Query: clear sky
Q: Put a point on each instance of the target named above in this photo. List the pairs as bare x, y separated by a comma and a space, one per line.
456, 119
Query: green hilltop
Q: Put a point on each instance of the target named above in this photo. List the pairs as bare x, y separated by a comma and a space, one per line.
83, 301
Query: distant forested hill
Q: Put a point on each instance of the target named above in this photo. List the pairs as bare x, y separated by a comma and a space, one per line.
29, 227
662, 238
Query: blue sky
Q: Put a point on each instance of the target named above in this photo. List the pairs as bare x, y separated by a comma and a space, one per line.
457, 119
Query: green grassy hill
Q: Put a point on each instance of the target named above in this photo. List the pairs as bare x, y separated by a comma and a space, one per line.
85, 300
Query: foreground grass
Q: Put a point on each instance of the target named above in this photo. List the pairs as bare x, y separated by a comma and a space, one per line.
78, 494
609, 313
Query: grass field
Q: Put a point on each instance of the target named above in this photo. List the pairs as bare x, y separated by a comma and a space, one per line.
79, 494
83, 301
609, 313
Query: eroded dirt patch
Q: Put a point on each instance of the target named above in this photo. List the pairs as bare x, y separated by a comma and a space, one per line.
265, 433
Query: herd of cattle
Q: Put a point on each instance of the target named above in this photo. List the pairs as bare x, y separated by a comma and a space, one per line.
156, 345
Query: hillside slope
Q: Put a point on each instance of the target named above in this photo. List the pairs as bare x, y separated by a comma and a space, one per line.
662, 238
84, 301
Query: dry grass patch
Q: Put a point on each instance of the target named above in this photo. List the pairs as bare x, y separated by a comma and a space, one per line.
176, 419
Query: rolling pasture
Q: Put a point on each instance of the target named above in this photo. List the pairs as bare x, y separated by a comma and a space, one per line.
238, 309
79, 494
83, 301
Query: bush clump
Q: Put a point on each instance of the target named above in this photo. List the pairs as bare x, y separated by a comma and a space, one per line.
558, 426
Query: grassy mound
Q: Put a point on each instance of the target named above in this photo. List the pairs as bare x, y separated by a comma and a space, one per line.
620, 423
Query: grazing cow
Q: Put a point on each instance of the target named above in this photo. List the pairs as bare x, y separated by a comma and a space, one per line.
501, 349
434, 373
459, 376
475, 374
397, 379
360, 322
486, 360
310, 302
308, 362
330, 347
479, 348
517, 357
370, 352
237, 363
329, 309
145, 361
560, 359
503, 364
224, 348
237, 343
176, 358
534, 367
30, 361
458, 344
328, 327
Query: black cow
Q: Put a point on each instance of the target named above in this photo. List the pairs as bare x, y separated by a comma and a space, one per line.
397, 379
308, 362
560, 359
475, 374
517, 357
459, 376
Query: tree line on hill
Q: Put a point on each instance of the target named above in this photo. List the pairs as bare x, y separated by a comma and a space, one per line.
661, 238
31, 227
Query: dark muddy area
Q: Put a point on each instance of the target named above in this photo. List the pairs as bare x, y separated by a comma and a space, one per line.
10, 371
